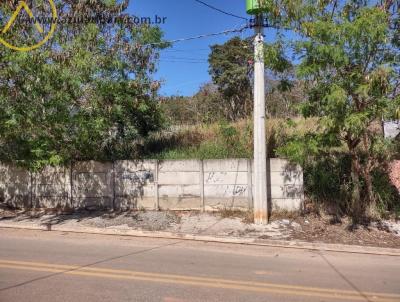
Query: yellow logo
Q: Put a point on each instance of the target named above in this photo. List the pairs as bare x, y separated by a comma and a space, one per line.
24, 6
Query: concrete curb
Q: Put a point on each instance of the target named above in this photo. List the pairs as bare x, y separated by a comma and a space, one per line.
323, 247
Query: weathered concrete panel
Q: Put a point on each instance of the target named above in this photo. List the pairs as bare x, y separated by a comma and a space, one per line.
227, 165
131, 202
287, 192
286, 178
182, 197
15, 186
134, 184
179, 191
134, 166
214, 204
178, 178
279, 165
226, 191
92, 184
287, 204
179, 166
225, 178
52, 187
180, 203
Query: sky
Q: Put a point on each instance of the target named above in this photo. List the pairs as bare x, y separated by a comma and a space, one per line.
184, 67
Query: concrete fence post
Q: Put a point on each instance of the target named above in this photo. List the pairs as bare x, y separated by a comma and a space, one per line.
71, 186
201, 185
156, 191
31, 189
250, 184
113, 185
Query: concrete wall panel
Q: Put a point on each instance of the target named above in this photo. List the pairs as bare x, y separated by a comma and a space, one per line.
15, 186
52, 187
287, 204
179, 166
178, 178
228, 165
134, 184
214, 204
226, 191
225, 178
137, 184
180, 203
92, 184
133, 166
179, 191
278, 165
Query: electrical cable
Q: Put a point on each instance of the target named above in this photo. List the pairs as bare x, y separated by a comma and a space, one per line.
220, 10
185, 62
228, 31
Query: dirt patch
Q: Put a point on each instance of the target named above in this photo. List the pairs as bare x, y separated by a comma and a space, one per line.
394, 173
148, 221
328, 230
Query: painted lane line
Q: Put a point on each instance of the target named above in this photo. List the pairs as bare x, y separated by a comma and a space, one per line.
198, 281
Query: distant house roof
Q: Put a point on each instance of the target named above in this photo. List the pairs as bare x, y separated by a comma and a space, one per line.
391, 129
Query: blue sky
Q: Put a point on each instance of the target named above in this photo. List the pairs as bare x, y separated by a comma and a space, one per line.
184, 67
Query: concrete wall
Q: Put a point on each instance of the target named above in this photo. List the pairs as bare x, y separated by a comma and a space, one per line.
174, 185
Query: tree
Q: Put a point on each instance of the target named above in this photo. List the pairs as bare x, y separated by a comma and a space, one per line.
230, 68
86, 94
349, 60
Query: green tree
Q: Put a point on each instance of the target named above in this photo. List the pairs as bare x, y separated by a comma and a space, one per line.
86, 94
230, 68
349, 61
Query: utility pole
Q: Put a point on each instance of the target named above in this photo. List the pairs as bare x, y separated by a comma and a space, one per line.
260, 146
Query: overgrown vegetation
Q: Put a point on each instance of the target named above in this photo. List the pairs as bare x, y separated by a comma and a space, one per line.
220, 140
86, 94
89, 94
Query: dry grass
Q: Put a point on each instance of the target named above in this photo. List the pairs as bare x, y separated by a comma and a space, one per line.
284, 214
246, 216
205, 141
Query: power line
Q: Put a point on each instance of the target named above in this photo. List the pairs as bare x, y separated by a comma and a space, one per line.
220, 10
183, 58
184, 62
225, 32
188, 50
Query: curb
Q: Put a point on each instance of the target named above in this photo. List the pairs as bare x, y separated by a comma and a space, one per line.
300, 245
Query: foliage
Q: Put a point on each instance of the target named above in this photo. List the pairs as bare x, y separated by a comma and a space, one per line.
230, 68
388, 198
219, 140
86, 94
327, 182
204, 107
348, 62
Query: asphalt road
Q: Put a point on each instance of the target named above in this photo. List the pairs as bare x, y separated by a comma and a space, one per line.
53, 266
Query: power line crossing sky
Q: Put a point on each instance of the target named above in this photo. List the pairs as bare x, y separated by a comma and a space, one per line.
184, 67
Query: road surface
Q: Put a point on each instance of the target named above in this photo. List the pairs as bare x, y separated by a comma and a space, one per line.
54, 266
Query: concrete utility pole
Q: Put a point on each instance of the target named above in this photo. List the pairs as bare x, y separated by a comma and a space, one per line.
260, 146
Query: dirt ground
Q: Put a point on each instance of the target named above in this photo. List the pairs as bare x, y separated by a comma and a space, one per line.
327, 230
310, 228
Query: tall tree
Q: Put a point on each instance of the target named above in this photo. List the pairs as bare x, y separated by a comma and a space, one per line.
230, 68
86, 94
349, 56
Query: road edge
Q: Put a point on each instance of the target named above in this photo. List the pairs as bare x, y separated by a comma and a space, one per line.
301, 245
